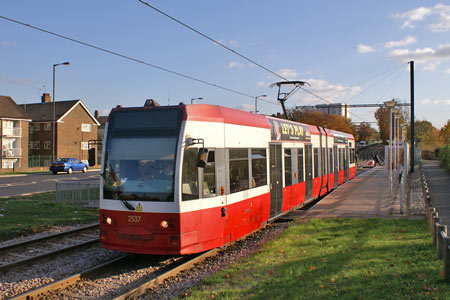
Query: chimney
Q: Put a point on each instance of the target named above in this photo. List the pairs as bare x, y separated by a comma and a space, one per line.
96, 115
46, 98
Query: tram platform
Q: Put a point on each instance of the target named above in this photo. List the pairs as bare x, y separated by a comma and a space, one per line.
438, 180
366, 196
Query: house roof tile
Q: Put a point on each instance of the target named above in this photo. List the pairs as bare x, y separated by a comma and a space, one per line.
10, 109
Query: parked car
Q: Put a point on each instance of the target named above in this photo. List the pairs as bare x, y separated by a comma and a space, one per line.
68, 165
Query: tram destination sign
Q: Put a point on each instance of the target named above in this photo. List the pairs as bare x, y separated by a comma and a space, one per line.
289, 131
340, 138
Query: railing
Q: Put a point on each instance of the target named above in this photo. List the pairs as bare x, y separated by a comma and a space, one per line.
17, 131
12, 153
78, 193
441, 239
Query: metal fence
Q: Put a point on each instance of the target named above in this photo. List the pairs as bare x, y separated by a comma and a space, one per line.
78, 193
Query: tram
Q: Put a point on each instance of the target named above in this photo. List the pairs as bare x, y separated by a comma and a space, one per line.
187, 178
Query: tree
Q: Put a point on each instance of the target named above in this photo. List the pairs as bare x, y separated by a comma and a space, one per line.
427, 136
364, 132
382, 116
444, 133
317, 118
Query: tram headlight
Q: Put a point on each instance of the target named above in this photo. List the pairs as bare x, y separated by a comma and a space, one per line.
108, 221
164, 224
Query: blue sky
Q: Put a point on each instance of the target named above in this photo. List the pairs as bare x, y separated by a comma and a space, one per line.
353, 52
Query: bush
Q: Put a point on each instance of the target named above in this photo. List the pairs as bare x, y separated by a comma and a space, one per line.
444, 156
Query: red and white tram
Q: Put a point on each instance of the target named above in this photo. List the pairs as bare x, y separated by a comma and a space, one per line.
188, 178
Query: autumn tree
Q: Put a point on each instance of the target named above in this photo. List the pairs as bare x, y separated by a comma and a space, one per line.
317, 118
364, 132
382, 116
444, 133
426, 135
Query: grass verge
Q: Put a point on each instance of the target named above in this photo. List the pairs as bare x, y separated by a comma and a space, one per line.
37, 213
336, 259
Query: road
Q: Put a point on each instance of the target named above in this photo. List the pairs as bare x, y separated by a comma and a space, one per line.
15, 185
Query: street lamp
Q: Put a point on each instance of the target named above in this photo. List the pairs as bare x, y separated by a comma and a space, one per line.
390, 105
192, 100
256, 102
53, 110
396, 119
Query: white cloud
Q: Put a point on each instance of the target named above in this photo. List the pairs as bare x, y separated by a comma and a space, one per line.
365, 48
246, 107
287, 73
324, 89
235, 64
262, 84
406, 41
234, 43
435, 102
440, 14
447, 71
431, 66
422, 55
413, 15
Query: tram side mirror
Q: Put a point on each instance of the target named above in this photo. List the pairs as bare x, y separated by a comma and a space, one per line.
202, 157
91, 158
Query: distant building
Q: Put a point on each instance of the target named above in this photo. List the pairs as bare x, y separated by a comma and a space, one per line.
339, 109
75, 126
14, 135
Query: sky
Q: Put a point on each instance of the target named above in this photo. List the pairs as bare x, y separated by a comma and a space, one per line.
351, 51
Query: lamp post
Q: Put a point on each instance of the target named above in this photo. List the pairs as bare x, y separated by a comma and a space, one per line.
53, 111
256, 102
395, 119
192, 100
390, 105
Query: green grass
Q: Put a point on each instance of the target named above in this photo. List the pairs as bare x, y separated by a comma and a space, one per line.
37, 213
336, 259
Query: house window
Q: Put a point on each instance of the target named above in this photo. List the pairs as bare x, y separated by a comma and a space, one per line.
47, 126
86, 127
47, 144
36, 145
36, 126
84, 146
30, 145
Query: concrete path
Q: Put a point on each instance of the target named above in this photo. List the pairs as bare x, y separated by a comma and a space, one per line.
366, 196
438, 180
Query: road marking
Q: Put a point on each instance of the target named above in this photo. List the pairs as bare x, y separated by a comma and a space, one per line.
17, 184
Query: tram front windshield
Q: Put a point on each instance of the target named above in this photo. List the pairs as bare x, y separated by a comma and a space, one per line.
140, 155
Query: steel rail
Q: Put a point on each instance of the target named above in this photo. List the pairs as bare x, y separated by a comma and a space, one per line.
46, 255
41, 291
142, 289
48, 237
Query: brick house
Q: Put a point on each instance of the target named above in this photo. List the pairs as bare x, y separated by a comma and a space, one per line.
14, 135
75, 127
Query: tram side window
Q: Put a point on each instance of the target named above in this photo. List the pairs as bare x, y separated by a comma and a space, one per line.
287, 167
324, 161
352, 156
330, 160
300, 165
341, 159
239, 174
190, 175
259, 167
316, 162
209, 176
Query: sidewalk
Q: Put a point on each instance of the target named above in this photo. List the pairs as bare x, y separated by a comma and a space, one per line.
438, 180
366, 196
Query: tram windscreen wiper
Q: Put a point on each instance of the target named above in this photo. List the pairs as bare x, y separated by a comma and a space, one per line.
127, 204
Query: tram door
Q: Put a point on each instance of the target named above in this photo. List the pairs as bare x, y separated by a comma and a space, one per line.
346, 163
336, 165
308, 172
276, 182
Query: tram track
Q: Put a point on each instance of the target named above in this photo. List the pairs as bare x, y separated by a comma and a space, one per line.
30, 251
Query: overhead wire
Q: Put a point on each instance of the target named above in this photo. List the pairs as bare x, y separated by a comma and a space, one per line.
128, 57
